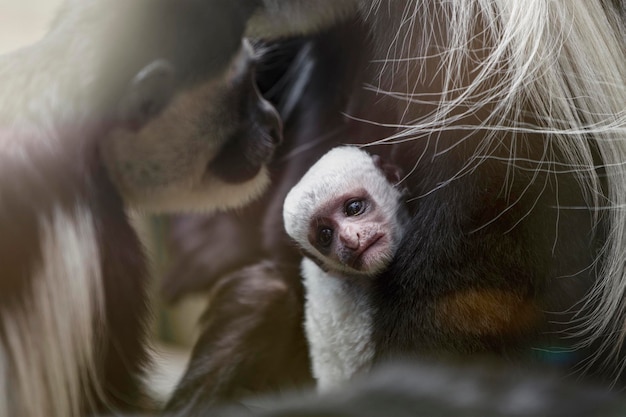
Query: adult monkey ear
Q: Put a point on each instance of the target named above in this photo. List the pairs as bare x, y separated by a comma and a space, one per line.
149, 92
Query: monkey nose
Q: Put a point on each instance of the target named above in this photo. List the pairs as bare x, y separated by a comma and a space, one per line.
349, 238
271, 121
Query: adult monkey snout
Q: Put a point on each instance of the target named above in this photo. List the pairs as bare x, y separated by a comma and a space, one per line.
250, 146
270, 120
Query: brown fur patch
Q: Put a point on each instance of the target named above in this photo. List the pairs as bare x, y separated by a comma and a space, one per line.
486, 312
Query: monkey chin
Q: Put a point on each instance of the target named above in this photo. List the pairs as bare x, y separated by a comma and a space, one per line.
211, 194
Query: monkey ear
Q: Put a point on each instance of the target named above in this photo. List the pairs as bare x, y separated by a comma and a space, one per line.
392, 172
149, 92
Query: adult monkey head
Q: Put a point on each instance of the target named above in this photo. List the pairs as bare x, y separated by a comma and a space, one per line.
211, 139
193, 155
174, 60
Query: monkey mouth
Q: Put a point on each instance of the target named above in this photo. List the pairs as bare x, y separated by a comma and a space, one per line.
242, 158
360, 261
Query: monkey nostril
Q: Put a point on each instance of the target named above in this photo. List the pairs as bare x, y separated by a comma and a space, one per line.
244, 154
277, 135
271, 121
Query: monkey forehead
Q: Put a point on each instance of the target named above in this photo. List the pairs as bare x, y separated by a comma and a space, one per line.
339, 171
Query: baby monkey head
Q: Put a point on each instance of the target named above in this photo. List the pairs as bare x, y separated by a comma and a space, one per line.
345, 213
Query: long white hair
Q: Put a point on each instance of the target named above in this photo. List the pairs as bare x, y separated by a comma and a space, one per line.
563, 59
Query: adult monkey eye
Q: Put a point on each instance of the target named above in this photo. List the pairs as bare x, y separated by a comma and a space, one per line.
325, 236
354, 207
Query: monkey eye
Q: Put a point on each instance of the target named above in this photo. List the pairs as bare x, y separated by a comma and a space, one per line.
354, 207
325, 236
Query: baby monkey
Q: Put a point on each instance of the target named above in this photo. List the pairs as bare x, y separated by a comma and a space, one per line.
347, 216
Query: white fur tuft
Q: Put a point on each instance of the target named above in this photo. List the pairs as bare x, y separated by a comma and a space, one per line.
47, 355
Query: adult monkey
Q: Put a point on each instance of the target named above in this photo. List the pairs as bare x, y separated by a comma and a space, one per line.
110, 109
510, 119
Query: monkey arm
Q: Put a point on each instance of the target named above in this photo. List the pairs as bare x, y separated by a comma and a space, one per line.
251, 340
205, 249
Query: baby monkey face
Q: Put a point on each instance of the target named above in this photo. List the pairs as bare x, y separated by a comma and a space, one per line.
353, 234
346, 214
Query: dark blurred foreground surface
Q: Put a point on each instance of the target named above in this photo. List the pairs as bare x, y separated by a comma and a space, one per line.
415, 389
